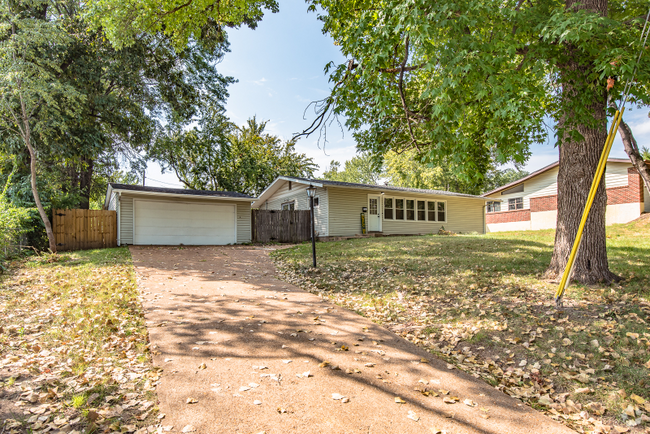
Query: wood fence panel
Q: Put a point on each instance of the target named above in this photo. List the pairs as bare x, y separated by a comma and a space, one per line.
286, 226
82, 229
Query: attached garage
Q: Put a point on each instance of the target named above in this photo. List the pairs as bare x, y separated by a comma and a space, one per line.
165, 216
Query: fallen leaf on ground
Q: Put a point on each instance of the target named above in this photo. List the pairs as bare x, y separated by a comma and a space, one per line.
191, 401
337, 396
399, 400
203, 366
188, 428
450, 400
413, 416
470, 403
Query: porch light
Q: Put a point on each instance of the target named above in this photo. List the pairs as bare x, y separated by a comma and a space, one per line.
311, 192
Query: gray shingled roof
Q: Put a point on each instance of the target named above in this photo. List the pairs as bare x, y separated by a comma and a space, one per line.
179, 191
384, 187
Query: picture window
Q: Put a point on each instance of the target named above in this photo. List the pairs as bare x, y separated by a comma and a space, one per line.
288, 206
388, 208
399, 209
410, 209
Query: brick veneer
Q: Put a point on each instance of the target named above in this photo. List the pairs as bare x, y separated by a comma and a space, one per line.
543, 203
521, 215
631, 193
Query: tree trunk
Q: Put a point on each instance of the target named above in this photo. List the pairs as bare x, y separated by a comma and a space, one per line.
578, 163
632, 151
85, 182
37, 198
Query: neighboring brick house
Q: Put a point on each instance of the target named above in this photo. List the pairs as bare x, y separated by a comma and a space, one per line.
530, 203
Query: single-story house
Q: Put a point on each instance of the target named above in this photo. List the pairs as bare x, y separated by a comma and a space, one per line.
338, 207
174, 216
530, 203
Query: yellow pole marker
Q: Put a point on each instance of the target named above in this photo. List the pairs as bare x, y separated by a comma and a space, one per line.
602, 163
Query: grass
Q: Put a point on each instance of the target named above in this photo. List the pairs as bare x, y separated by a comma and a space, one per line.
479, 302
71, 326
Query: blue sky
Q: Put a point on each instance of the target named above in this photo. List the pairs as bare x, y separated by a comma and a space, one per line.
280, 68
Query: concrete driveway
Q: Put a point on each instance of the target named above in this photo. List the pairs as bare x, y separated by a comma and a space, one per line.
243, 352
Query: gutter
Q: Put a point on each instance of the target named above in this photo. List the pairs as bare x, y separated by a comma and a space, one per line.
193, 196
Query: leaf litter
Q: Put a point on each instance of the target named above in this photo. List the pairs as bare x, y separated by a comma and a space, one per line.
587, 366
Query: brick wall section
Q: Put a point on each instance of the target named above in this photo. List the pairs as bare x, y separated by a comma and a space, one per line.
544, 203
632, 193
522, 215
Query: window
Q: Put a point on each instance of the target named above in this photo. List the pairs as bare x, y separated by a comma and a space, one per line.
493, 206
422, 213
431, 211
399, 209
515, 203
388, 208
516, 189
316, 201
441, 212
289, 206
410, 209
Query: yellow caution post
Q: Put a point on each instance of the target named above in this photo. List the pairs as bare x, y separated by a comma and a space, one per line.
590, 200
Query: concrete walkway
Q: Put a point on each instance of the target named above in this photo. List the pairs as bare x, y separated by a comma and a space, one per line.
260, 355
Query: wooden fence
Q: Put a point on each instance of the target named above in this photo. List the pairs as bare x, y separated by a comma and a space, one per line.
81, 229
280, 226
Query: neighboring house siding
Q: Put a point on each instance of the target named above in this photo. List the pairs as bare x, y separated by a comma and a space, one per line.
625, 200
345, 205
126, 219
298, 195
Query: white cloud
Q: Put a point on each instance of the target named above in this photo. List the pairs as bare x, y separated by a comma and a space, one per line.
260, 82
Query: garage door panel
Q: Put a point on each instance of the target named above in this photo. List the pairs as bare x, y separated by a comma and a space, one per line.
173, 223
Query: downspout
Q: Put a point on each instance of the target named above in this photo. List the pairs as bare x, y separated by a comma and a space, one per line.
118, 207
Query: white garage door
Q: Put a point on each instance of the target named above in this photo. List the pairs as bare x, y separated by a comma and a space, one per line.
173, 223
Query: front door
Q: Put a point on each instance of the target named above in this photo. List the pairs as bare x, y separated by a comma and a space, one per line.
374, 214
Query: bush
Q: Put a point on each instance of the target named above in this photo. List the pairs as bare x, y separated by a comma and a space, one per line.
13, 225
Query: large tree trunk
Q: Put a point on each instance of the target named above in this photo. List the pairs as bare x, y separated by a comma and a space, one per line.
578, 163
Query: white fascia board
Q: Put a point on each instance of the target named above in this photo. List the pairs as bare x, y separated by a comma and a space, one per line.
275, 185
109, 191
193, 196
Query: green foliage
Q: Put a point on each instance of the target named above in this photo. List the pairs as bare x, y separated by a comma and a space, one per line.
412, 170
124, 22
13, 223
470, 83
221, 156
361, 169
645, 153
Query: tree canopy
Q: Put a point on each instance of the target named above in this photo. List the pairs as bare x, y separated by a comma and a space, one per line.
218, 155
361, 169
470, 83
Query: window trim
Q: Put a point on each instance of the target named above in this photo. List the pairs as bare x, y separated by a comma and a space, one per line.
391, 208
492, 203
415, 209
291, 202
514, 200
316, 201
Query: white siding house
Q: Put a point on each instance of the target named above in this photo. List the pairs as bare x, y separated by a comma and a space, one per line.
339, 207
530, 203
173, 216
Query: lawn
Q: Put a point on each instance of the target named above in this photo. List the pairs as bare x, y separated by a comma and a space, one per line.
479, 302
73, 346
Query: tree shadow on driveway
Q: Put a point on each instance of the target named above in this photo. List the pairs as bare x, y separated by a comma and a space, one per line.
258, 336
